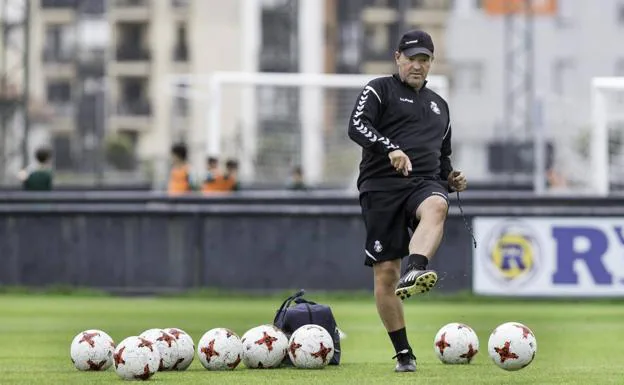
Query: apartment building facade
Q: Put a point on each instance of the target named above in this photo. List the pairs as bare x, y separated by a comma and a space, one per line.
106, 71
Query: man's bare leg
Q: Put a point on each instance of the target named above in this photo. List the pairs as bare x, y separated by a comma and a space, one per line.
431, 214
390, 309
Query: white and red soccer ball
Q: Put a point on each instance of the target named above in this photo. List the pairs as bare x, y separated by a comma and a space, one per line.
264, 346
167, 347
92, 350
311, 347
136, 358
220, 349
512, 346
456, 343
186, 348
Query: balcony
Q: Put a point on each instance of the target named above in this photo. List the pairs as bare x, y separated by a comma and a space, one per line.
92, 62
92, 7
130, 3
438, 5
181, 58
379, 15
130, 61
132, 115
58, 11
180, 4
58, 63
132, 53
134, 108
58, 56
59, 3
427, 16
180, 53
129, 10
63, 116
181, 9
419, 12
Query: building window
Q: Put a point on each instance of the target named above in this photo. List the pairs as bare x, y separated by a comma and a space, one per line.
180, 52
620, 13
618, 68
561, 70
59, 92
565, 16
59, 97
60, 42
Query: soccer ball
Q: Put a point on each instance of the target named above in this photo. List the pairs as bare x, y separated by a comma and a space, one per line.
167, 347
310, 347
186, 348
92, 350
220, 349
264, 346
512, 346
136, 358
456, 343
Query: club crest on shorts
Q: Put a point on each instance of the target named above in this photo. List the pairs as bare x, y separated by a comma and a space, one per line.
378, 247
435, 108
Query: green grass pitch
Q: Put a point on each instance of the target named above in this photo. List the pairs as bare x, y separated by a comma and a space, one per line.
578, 343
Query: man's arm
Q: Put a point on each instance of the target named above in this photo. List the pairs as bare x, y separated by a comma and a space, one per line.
445, 154
361, 130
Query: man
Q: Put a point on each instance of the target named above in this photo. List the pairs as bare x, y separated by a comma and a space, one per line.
405, 175
39, 178
180, 175
213, 175
230, 178
296, 179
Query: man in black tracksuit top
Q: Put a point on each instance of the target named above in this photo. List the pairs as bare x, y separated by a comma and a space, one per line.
405, 175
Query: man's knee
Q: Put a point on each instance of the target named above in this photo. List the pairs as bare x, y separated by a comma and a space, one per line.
433, 208
387, 273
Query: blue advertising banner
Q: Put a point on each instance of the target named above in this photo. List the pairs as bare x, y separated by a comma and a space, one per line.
551, 256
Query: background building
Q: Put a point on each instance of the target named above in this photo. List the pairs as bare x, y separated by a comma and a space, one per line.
100, 94
567, 51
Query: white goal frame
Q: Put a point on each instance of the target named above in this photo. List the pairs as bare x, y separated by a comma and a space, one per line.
311, 103
599, 142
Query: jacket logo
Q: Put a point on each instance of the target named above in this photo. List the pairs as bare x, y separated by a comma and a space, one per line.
406, 100
435, 108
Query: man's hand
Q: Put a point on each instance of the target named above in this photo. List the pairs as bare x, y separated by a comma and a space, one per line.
400, 161
22, 175
457, 181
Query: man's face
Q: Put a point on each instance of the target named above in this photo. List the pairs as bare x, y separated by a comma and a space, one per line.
413, 70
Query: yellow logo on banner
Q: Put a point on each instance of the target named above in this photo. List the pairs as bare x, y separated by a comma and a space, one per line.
513, 253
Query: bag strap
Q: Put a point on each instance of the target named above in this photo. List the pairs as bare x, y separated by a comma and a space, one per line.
302, 300
287, 303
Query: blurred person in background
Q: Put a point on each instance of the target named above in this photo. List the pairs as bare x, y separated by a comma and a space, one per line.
180, 181
213, 175
296, 179
230, 178
39, 177
405, 175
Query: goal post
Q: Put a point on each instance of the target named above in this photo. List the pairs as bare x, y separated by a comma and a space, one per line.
311, 109
603, 114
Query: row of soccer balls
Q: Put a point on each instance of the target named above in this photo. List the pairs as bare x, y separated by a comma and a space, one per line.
512, 345
139, 357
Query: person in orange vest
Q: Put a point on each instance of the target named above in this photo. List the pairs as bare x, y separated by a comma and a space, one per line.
180, 175
230, 178
213, 176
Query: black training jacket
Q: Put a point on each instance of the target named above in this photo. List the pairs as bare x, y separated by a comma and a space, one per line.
390, 115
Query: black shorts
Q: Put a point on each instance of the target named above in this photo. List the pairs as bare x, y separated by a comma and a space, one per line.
390, 215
